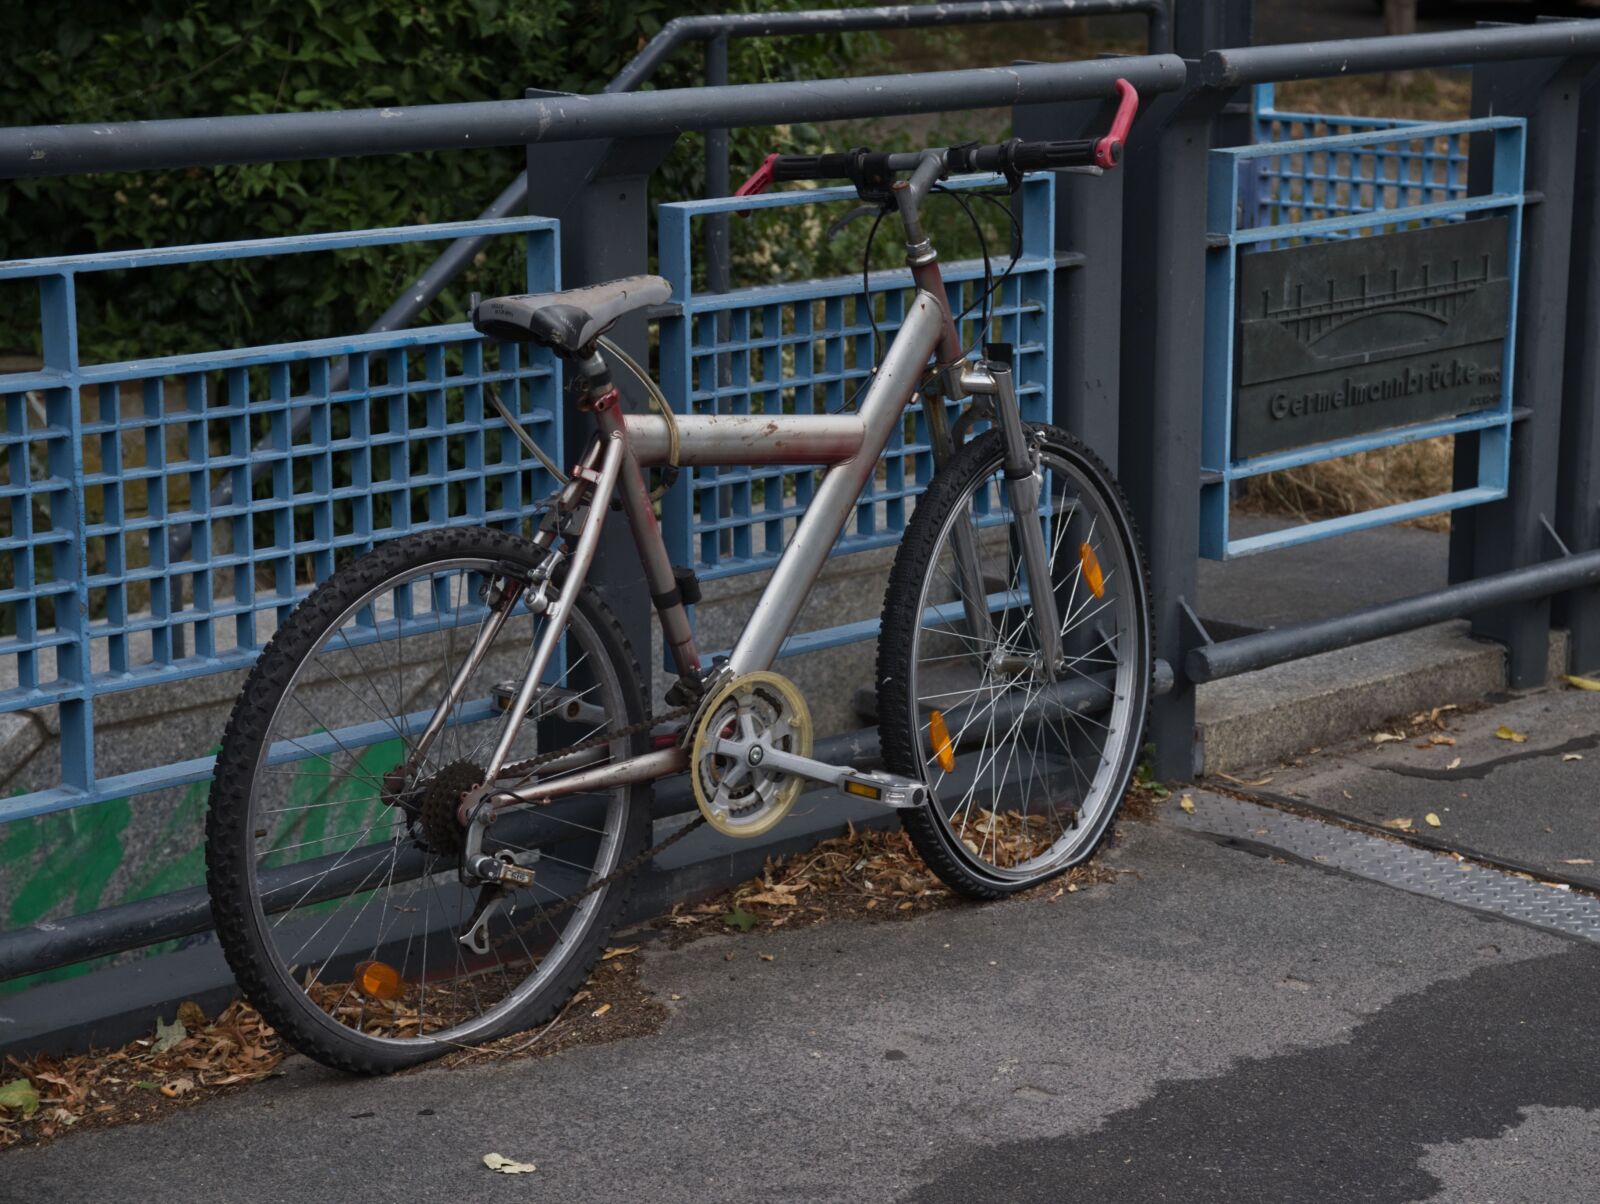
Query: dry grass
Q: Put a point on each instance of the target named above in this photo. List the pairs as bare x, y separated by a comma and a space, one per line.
1425, 95
1354, 484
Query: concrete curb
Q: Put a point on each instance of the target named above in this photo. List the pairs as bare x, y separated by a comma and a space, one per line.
1261, 718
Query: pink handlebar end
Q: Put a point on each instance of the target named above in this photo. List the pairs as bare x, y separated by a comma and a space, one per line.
1108, 150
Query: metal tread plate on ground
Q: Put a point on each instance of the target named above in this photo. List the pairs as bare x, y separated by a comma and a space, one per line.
1394, 863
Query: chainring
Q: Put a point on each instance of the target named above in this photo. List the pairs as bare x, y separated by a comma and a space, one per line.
736, 797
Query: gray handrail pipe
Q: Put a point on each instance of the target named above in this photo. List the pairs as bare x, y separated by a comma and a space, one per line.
56, 150
900, 16
28, 152
1312, 60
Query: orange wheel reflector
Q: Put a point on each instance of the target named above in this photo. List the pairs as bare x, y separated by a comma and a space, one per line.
1091, 570
379, 980
944, 749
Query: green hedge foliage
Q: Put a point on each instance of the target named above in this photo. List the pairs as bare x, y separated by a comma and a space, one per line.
114, 62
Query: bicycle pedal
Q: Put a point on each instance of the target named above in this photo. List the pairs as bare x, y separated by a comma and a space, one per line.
887, 788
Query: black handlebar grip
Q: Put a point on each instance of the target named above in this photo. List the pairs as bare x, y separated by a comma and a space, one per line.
1041, 156
1019, 156
812, 167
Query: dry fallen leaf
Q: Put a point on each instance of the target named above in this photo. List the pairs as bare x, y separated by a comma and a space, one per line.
1583, 683
1438, 739
1432, 820
771, 898
1455, 764
192, 1015
1244, 781
1400, 824
20, 1096
506, 1166
1187, 803
1387, 737
622, 952
1505, 733
168, 1035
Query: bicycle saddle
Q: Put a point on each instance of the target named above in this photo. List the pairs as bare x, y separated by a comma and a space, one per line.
570, 320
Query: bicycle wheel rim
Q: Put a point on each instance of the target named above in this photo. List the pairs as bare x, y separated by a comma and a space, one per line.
436, 975
1070, 780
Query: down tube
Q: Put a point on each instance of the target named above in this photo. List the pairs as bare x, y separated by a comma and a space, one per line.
881, 409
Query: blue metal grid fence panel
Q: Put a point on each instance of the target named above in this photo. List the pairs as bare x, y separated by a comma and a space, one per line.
806, 347
1236, 228
1311, 181
123, 571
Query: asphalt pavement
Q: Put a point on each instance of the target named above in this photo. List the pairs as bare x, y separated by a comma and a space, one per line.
1220, 1023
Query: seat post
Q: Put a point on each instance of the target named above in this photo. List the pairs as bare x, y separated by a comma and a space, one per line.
593, 376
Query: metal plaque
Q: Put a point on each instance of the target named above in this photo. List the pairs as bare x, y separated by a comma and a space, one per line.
1343, 338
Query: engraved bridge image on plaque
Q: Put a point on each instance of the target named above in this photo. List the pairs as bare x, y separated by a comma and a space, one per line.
1342, 338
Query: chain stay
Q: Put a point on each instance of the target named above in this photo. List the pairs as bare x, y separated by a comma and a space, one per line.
633, 864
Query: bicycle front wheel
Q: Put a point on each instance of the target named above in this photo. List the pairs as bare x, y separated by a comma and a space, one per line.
1026, 763
335, 870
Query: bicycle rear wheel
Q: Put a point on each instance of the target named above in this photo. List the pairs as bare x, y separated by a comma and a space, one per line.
1026, 766
334, 875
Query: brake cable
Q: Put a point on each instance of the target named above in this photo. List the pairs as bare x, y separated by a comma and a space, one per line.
653, 392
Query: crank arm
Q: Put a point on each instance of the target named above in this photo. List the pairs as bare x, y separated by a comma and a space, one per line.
889, 789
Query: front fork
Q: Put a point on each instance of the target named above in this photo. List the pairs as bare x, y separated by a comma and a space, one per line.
991, 377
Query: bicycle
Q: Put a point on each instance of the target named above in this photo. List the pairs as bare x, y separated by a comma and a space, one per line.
436, 783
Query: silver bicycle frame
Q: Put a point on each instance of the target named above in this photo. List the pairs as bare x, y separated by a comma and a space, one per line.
849, 445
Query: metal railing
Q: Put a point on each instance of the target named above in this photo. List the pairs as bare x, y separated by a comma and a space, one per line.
124, 454
1508, 556
1361, 210
304, 531
1327, 180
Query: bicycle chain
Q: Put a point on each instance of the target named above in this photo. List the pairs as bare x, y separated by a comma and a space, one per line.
527, 767
633, 864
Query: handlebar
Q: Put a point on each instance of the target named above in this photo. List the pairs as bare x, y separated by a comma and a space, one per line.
873, 172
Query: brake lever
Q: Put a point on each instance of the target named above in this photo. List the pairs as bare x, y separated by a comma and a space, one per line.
760, 180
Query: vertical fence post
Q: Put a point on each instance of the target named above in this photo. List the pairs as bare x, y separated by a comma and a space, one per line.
1578, 485
1202, 25
1163, 363
58, 313
718, 267
1509, 534
598, 191
1086, 373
